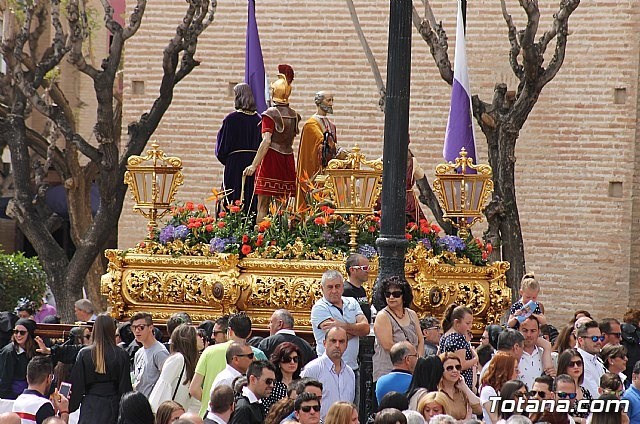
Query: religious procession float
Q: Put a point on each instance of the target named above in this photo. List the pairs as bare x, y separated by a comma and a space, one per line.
216, 261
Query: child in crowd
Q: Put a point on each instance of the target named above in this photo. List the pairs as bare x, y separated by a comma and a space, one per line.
529, 290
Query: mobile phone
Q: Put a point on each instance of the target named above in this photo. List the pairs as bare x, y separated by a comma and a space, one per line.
65, 388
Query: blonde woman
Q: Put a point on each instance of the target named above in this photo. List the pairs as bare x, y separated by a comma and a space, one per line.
342, 413
432, 404
100, 375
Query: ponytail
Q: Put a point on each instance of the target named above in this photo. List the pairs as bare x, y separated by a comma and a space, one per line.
452, 313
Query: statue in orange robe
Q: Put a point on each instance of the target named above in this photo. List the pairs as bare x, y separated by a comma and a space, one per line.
318, 145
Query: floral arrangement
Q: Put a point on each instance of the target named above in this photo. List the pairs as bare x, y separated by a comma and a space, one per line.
315, 233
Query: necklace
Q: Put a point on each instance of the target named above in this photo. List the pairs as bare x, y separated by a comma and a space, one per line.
396, 315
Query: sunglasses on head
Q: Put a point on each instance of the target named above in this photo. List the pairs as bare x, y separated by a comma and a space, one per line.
396, 294
612, 392
595, 338
564, 395
308, 408
577, 363
289, 359
454, 367
21, 332
539, 393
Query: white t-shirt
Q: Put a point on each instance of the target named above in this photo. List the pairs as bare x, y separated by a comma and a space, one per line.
485, 393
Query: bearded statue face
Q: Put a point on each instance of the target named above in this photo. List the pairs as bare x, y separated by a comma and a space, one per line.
324, 101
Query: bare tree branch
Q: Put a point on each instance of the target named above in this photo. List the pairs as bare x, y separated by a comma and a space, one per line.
531, 56
109, 22
40, 12
560, 27
436, 38
77, 36
513, 40
53, 56
135, 19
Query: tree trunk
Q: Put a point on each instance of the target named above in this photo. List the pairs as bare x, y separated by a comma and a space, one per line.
92, 285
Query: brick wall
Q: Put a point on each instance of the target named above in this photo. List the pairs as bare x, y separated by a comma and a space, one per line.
575, 142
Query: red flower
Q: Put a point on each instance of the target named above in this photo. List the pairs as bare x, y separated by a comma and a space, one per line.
489, 248
259, 242
485, 255
142, 244
435, 228
372, 229
245, 239
220, 224
324, 208
237, 203
197, 224
376, 218
319, 221
408, 236
222, 214
329, 211
246, 249
200, 207
234, 209
189, 206
209, 228
273, 243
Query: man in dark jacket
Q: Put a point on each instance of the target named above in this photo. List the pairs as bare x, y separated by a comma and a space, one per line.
281, 330
260, 378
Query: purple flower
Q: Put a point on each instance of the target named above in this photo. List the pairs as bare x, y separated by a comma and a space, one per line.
217, 245
367, 251
181, 232
426, 242
452, 243
167, 234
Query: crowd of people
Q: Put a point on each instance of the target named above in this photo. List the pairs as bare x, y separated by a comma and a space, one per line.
424, 370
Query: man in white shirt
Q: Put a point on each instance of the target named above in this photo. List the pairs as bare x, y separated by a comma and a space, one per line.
536, 353
589, 339
221, 406
239, 357
337, 378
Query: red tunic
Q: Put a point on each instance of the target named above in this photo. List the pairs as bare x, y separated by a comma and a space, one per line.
276, 174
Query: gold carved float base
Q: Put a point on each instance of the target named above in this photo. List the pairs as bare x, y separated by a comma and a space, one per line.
208, 287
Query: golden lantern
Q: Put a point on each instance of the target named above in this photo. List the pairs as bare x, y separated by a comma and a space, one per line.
353, 190
154, 181
463, 189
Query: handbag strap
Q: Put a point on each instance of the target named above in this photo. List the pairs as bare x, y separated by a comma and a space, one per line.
179, 382
406, 336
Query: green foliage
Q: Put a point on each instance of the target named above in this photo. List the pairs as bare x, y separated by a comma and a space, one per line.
20, 278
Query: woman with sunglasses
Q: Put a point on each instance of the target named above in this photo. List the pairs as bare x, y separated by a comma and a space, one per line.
14, 358
456, 323
570, 362
614, 358
177, 371
100, 375
502, 368
287, 358
511, 390
463, 401
394, 323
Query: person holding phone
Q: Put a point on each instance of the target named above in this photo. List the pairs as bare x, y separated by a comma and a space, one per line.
100, 375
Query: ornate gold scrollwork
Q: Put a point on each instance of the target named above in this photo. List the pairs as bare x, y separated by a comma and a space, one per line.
212, 286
